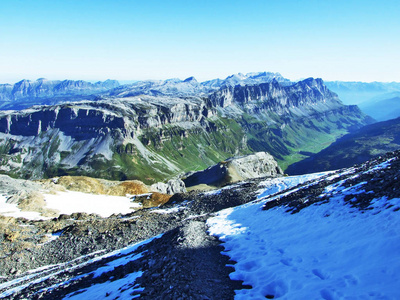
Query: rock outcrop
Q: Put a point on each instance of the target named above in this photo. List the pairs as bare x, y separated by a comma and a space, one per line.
277, 98
171, 187
260, 164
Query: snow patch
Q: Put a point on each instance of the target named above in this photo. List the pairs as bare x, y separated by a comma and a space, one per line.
104, 205
275, 185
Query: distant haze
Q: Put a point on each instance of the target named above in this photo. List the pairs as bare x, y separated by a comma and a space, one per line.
137, 40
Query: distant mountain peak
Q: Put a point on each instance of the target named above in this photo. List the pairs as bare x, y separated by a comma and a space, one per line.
190, 79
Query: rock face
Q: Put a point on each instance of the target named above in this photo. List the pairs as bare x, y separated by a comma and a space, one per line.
277, 98
156, 138
114, 139
260, 164
173, 186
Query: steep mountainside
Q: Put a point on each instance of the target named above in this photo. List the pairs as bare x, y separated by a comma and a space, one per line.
137, 138
357, 147
26, 93
282, 120
155, 138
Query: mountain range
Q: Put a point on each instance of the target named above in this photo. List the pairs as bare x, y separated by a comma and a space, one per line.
26, 93
156, 136
175, 189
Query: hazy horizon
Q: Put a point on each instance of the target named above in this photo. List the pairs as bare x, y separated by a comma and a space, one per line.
122, 82
132, 40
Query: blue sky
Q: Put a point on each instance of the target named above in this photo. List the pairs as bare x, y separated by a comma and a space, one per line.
135, 40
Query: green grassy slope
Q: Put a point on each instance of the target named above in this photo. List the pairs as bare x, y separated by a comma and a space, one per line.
369, 141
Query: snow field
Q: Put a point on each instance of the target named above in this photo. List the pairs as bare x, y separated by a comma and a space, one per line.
121, 288
326, 251
272, 186
73, 202
103, 205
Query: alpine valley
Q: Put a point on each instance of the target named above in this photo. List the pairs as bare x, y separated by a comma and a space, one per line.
157, 130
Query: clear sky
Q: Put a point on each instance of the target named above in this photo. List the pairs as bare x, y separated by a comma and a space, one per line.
135, 40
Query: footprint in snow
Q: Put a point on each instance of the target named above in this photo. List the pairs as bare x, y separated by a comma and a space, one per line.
319, 273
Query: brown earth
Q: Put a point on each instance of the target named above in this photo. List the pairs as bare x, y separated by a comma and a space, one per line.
100, 186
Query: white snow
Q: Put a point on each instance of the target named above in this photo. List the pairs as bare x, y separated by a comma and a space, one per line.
73, 202
171, 210
326, 251
272, 186
121, 287
103, 205
166, 210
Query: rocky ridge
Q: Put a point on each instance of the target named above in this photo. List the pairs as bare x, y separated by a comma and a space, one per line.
273, 97
88, 134
191, 87
26, 93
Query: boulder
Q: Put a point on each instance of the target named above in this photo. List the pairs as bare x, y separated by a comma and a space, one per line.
173, 186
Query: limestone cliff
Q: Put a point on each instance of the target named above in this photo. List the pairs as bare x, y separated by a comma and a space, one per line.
116, 139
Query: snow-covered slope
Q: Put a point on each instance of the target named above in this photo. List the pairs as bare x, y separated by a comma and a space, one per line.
338, 248
328, 235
